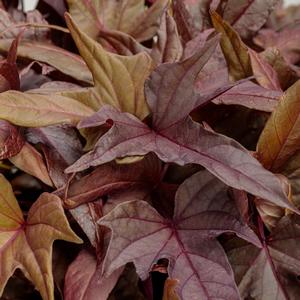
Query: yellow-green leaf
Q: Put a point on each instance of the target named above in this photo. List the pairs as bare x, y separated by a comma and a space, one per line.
27, 245
34, 110
235, 51
119, 80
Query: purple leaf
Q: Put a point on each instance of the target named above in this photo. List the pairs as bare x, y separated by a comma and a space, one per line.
270, 272
202, 212
250, 95
84, 281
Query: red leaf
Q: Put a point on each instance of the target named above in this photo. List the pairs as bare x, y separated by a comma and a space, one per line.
270, 272
202, 212
84, 281
175, 137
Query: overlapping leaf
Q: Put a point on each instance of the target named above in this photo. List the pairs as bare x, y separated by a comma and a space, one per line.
84, 281
197, 260
174, 137
27, 244
270, 272
112, 73
129, 16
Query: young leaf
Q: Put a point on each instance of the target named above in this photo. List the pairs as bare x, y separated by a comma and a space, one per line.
112, 73
9, 74
188, 240
84, 281
235, 51
33, 110
129, 16
281, 136
270, 272
27, 245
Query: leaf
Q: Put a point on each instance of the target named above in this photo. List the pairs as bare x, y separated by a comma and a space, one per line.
235, 51
247, 17
280, 138
129, 16
270, 272
33, 110
120, 43
168, 47
250, 95
21, 244
285, 41
31, 161
286, 75
9, 74
58, 155
63, 60
174, 137
264, 73
112, 178
10, 25
112, 73
188, 240
84, 281
183, 20
11, 140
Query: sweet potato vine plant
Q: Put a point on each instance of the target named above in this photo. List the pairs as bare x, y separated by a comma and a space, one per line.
159, 140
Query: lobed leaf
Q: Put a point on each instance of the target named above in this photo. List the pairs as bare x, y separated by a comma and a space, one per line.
188, 240
27, 245
112, 73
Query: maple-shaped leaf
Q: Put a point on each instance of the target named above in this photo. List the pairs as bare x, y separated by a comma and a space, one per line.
27, 244
247, 17
175, 137
270, 272
112, 73
129, 16
84, 280
202, 212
